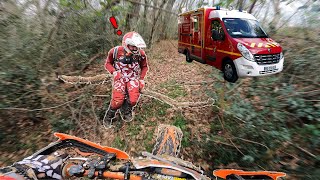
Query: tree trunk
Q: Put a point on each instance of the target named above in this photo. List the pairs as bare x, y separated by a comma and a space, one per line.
265, 15
51, 36
190, 5
165, 19
240, 4
261, 6
200, 3
40, 16
145, 20
276, 8
132, 15
155, 19
252, 6
180, 7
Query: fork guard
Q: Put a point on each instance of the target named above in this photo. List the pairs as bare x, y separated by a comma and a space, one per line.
223, 173
83, 145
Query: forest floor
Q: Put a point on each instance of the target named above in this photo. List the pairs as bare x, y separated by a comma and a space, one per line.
169, 74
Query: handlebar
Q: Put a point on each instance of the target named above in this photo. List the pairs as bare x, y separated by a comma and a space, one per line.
74, 170
114, 175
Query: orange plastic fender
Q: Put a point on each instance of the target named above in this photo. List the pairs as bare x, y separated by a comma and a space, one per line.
223, 173
120, 154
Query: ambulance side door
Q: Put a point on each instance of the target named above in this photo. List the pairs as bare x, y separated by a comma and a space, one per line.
196, 35
217, 44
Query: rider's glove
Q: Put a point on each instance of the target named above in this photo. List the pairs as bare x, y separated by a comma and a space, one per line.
141, 85
116, 75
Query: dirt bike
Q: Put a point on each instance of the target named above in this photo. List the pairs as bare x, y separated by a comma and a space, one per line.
90, 160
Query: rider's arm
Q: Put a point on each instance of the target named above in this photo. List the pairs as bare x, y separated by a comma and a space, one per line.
109, 62
143, 65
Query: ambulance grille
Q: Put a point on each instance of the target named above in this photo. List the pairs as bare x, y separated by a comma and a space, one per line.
263, 59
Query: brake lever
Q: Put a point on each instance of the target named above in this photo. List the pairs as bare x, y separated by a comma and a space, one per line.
100, 165
76, 170
127, 170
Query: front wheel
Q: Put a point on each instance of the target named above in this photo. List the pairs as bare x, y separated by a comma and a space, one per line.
188, 58
168, 141
229, 71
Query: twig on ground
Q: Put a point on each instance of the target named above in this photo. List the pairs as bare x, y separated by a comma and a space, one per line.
229, 113
80, 111
77, 121
173, 44
91, 60
174, 103
96, 120
304, 150
101, 95
312, 100
235, 146
221, 122
235, 87
250, 141
41, 109
219, 142
195, 83
98, 79
230, 139
161, 97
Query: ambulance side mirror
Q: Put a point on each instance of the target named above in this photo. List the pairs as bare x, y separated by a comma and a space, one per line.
216, 36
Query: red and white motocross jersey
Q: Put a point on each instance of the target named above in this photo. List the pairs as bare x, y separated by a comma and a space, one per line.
136, 70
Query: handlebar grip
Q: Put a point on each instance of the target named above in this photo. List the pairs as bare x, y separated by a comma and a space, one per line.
114, 175
104, 174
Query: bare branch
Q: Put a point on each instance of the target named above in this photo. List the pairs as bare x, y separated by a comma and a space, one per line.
252, 6
246, 140
91, 60
154, 7
304, 150
98, 79
41, 109
77, 120
235, 146
102, 78
174, 103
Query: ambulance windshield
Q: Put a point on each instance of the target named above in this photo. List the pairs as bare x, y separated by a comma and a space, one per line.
244, 28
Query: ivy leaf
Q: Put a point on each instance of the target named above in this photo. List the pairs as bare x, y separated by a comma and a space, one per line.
248, 158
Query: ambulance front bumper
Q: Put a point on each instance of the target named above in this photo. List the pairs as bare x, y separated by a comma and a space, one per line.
247, 68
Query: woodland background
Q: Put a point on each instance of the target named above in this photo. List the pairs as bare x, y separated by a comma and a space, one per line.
267, 123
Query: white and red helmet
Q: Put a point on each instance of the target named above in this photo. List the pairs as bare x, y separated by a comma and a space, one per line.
133, 39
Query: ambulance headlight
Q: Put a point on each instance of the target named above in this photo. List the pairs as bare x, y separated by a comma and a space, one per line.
281, 55
245, 52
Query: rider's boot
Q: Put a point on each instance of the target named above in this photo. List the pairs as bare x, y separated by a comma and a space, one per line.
108, 117
126, 111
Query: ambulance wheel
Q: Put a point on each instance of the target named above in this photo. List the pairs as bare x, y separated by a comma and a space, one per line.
188, 58
229, 71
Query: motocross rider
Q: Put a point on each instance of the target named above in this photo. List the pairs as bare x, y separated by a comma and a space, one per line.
128, 65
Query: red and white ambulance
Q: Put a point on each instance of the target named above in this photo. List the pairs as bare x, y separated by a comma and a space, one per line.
230, 40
